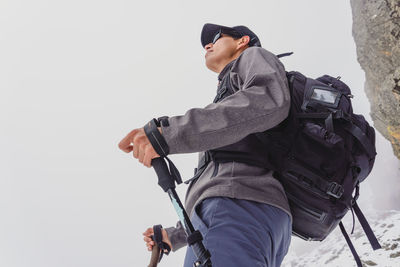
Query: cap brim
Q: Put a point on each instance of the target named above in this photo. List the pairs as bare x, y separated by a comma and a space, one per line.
209, 31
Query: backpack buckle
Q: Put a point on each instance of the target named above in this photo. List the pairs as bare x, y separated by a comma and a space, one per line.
335, 190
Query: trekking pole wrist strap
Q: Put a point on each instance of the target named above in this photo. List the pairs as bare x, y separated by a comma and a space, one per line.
161, 147
157, 238
155, 137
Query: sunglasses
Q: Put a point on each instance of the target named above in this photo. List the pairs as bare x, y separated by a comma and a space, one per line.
233, 34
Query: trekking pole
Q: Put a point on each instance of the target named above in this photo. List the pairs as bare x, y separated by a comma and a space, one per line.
167, 183
155, 255
166, 180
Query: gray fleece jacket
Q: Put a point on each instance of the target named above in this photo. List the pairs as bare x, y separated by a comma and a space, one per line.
260, 102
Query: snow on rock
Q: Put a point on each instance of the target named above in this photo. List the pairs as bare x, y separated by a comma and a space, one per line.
334, 251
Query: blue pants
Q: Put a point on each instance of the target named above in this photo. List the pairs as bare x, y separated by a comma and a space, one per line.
241, 232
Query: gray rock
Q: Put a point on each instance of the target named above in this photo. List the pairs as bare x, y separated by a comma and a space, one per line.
376, 31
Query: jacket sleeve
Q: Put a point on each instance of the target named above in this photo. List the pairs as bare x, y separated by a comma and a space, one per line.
177, 236
261, 102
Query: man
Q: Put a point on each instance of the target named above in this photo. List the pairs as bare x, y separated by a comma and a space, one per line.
240, 209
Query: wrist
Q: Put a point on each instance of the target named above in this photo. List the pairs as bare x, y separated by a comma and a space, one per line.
153, 132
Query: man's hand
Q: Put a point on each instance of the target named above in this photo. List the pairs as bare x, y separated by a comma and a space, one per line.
150, 243
138, 142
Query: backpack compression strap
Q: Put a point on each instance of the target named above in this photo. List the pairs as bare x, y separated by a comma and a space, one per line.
350, 127
362, 139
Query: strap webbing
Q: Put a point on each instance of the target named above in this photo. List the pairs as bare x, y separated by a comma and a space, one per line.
157, 237
321, 115
350, 127
156, 139
197, 174
203, 163
367, 229
194, 237
160, 146
354, 220
362, 139
330, 188
284, 54
353, 250
174, 171
329, 123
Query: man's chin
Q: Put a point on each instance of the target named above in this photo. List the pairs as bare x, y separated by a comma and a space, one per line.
212, 63
210, 66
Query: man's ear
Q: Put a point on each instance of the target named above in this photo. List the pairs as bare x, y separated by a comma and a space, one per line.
243, 41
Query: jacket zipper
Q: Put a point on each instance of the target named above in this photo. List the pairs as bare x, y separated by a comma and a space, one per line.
220, 94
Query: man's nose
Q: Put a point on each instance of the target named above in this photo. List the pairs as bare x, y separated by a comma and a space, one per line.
208, 46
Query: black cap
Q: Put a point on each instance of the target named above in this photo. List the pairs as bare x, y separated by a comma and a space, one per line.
210, 30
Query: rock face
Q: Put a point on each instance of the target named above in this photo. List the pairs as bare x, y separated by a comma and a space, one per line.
376, 31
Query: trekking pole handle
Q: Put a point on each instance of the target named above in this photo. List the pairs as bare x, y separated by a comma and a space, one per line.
165, 179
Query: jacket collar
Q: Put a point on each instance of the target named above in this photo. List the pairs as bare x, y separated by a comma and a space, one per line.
225, 70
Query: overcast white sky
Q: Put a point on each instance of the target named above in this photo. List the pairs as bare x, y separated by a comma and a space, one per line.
76, 76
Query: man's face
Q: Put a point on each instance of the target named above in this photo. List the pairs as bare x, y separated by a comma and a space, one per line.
220, 52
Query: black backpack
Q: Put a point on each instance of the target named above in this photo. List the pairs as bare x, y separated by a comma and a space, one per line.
321, 153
